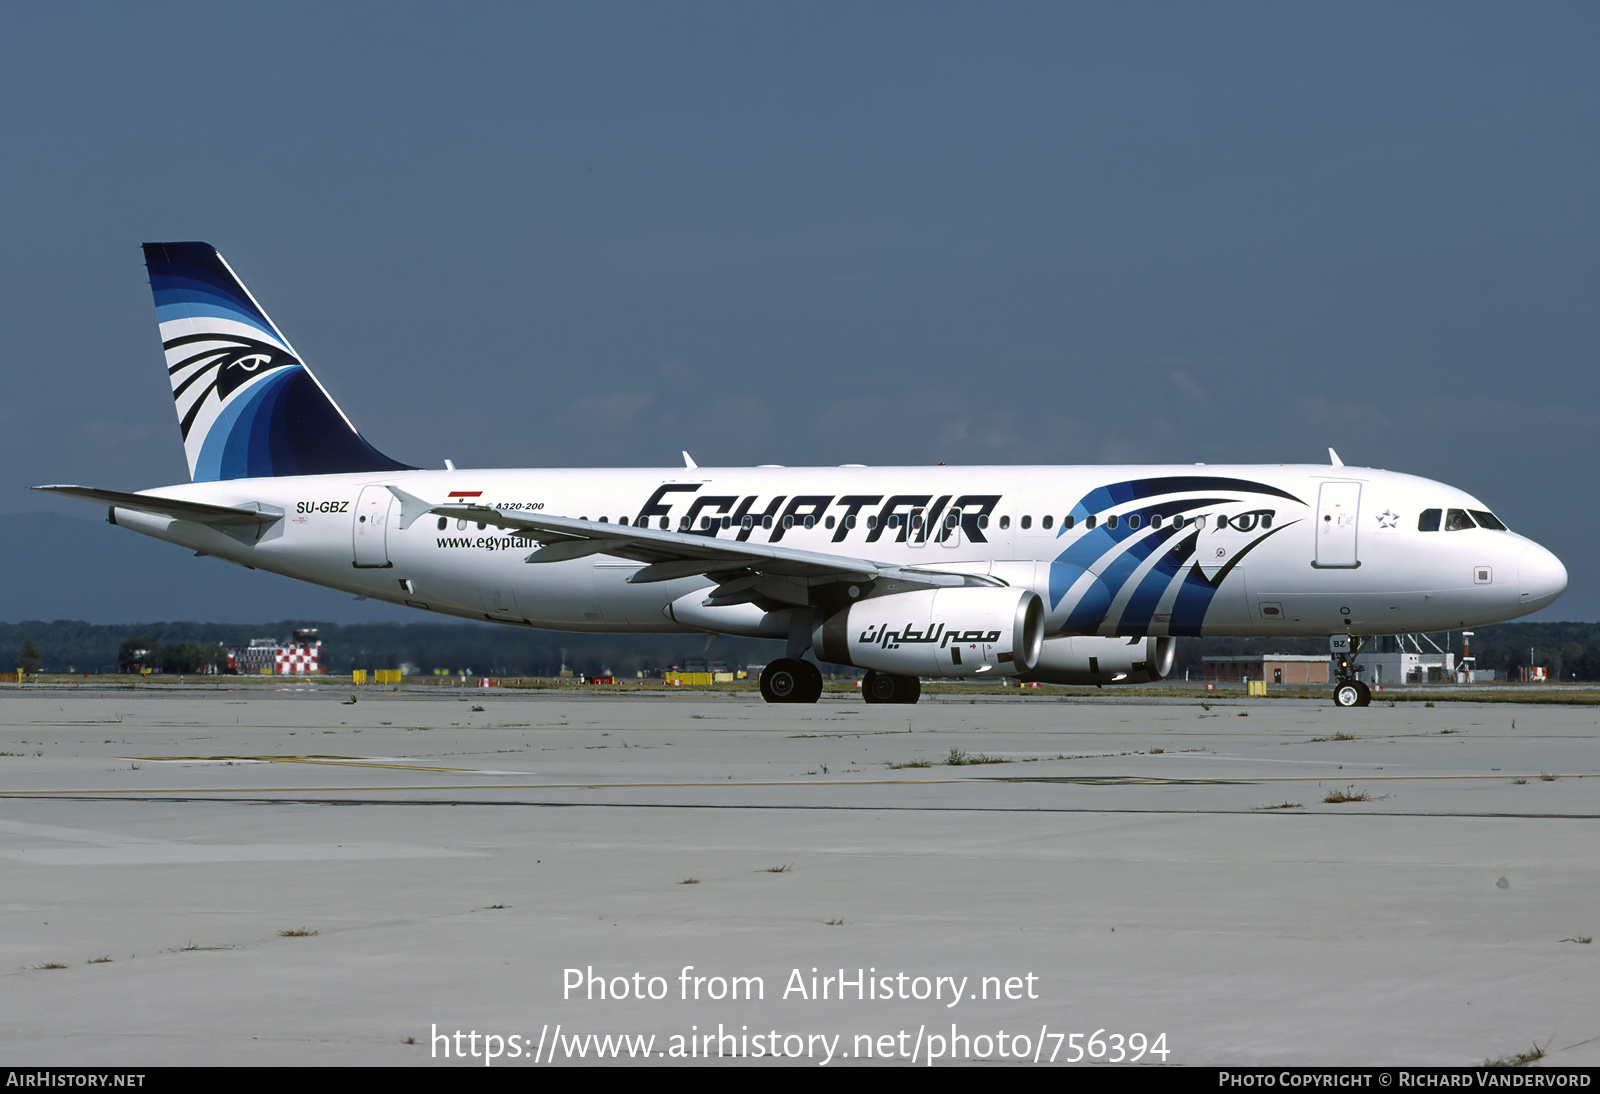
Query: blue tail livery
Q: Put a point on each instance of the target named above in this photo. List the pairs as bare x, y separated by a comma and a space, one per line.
247, 405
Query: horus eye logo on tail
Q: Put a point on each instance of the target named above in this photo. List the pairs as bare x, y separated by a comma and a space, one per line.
247, 405
202, 365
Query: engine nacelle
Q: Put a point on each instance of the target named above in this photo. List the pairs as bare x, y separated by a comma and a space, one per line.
1093, 660
937, 632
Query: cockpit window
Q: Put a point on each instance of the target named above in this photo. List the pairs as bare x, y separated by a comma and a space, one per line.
1429, 520
1456, 520
1488, 520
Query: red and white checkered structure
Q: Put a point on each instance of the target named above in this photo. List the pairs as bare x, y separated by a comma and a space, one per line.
300, 656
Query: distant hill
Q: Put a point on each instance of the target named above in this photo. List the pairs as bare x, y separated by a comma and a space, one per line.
1566, 649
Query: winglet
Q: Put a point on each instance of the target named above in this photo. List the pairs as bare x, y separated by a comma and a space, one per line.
1333, 458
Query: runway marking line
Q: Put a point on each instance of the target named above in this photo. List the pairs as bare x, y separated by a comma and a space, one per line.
1079, 780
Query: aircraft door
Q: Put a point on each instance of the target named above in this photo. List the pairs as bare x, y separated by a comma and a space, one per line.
1338, 505
370, 530
950, 530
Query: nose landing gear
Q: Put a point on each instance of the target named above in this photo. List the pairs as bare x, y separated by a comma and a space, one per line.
1348, 688
1352, 694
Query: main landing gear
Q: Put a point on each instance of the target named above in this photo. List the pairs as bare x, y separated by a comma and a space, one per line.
791, 680
886, 687
1348, 688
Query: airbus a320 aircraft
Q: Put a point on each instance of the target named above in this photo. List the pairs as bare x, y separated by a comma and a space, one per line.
1067, 575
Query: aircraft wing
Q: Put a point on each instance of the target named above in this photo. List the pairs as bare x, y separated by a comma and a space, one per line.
745, 572
224, 516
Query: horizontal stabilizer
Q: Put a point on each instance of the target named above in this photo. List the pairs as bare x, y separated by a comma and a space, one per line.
221, 516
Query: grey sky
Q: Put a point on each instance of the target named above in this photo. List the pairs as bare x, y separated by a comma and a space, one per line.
546, 235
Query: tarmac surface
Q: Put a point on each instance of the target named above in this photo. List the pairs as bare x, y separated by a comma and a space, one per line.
264, 875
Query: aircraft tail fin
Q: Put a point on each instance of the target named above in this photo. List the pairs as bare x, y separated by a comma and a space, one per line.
247, 405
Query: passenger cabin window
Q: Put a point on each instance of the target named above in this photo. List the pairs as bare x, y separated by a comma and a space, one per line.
1027, 522
1155, 521
1133, 520
622, 521
1456, 520
1046, 522
1068, 521
1005, 522
1111, 521
1488, 520
1429, 520
1088, 521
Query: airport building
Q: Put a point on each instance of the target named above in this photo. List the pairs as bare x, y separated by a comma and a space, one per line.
1274, 668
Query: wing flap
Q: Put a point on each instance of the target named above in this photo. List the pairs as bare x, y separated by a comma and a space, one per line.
669, 556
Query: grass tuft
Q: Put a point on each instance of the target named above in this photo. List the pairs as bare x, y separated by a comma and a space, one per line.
959, 758
298, 932
778, 869
1282, 805
1348, 794
103, 959
50, 965
1520, 1059
690, 881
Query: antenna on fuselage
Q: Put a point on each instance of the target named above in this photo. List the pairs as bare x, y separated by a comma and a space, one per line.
688, 461
1333, 458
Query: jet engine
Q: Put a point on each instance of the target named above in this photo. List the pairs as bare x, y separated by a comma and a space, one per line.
1093, 660
937, 632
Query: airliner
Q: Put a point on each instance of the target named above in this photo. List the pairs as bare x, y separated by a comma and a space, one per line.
1063, 575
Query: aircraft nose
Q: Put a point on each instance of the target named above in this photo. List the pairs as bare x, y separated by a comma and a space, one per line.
1541, 577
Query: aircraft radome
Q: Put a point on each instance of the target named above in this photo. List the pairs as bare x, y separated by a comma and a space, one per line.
1070, 575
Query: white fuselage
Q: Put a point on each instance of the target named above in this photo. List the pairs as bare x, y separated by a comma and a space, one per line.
1173, 550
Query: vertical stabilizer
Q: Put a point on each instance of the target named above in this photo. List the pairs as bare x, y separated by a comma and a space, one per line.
246, 404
